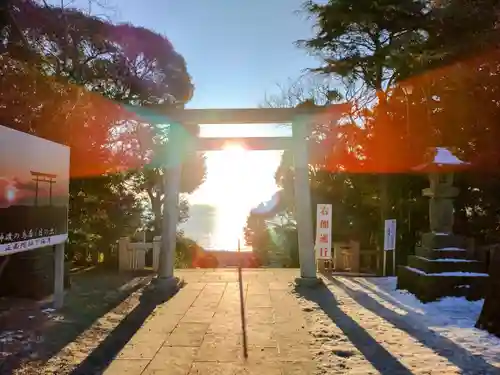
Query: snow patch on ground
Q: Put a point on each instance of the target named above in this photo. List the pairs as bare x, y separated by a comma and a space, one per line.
452, 317
457, 273
451, 260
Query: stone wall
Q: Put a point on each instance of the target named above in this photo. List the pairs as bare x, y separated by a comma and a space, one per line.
29, 274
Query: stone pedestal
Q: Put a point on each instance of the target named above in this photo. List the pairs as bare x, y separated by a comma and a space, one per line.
29, 274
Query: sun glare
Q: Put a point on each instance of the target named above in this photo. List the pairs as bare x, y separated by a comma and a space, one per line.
238, 180
234, 147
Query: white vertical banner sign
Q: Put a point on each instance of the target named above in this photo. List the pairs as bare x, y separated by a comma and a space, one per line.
390, 235
390, 243
323, 245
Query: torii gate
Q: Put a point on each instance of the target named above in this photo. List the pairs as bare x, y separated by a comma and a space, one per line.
300, 118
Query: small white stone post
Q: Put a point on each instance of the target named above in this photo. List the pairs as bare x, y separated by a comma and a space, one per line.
336, 256
59, 276
355, 256
140, 253
156, 252
303, 200
123, 255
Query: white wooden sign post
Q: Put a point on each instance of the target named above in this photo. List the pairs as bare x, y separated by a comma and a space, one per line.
390, 243
323, 246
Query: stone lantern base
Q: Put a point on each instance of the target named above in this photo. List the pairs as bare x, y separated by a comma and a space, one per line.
441, 267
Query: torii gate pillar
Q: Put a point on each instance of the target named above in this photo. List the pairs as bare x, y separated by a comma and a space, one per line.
302, 199
171, 183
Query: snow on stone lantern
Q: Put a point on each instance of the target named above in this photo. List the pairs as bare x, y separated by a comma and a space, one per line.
441, 165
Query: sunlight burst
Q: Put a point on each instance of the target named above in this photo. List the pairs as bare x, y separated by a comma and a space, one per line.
234, 147
238, 180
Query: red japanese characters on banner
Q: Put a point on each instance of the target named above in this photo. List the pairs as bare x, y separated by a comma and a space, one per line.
323, 245
34, 192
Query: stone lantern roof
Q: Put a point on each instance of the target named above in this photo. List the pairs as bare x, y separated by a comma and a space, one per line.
441, 159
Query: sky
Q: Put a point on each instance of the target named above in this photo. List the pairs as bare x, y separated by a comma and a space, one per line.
236, 51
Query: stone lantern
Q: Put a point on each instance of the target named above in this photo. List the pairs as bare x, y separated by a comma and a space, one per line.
441, 166
441, 266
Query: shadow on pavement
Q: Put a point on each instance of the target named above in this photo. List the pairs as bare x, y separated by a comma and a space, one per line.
93, 293
378, 356
110, 347
385, 297
441, 345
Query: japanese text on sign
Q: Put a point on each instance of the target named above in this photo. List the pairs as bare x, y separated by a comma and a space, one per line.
26, 234
323, 246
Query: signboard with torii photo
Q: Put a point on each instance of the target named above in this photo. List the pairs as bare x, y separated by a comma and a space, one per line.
323, 245
34, 192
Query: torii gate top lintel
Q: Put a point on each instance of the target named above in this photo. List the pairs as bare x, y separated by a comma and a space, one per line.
253, 115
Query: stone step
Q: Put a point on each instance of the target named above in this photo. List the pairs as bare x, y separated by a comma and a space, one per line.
429, 287
440, 240
446, 252
445, 265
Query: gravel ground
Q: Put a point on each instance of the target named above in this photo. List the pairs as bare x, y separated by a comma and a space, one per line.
36, 339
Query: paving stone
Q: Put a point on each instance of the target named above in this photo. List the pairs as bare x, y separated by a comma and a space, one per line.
244, 368
194, 286
263, 354
213, 368
260, 315
172, 361
297, 368
261, 335
258, 300
161, 323
219, 352
198, 315
126, 367
188, 334
144, 345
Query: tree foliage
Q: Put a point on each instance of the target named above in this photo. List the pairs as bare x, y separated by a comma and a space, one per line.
71, 74
418, 74
258, 236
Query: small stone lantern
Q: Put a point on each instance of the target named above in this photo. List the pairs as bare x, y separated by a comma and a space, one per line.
441, 166
441, 266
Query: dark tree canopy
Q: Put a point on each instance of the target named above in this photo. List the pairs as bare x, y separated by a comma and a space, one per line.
71, 74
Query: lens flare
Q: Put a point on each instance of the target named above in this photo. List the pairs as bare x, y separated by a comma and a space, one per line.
10, 193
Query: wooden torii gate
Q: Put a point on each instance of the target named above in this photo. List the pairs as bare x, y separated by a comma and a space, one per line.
300, 118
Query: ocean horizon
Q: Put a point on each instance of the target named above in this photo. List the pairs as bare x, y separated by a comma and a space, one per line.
213, 229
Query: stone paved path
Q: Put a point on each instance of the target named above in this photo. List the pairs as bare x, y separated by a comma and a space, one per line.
338, 329
199, 330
